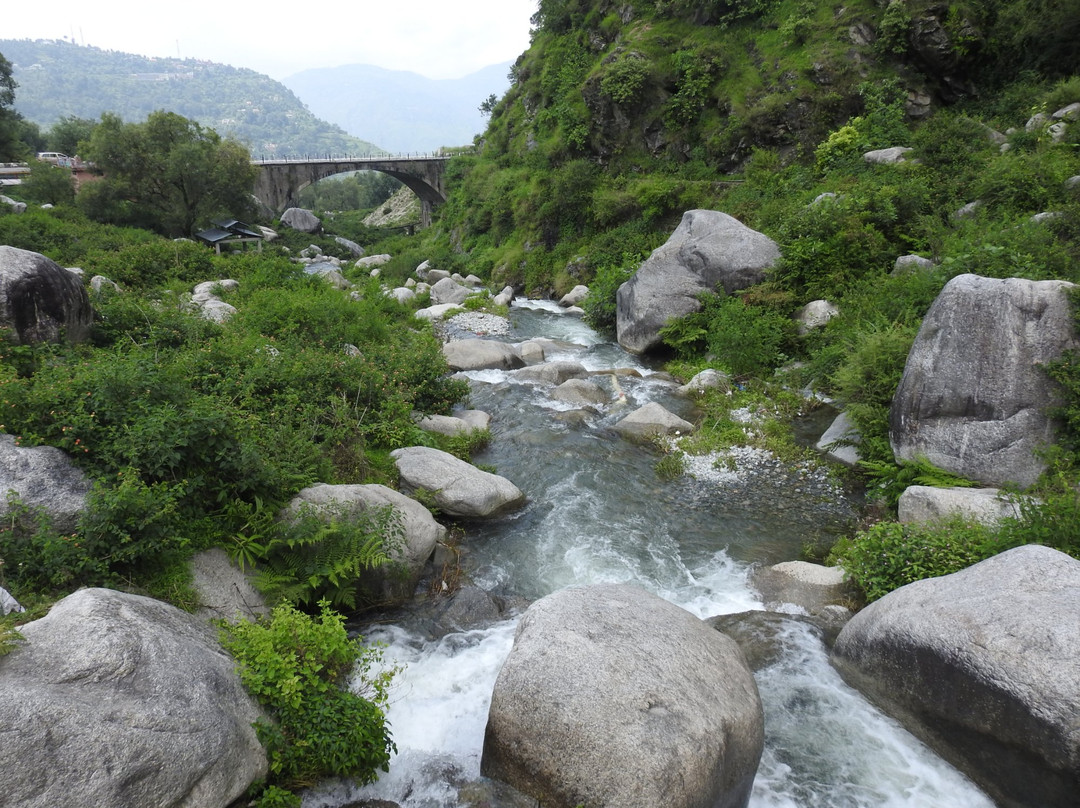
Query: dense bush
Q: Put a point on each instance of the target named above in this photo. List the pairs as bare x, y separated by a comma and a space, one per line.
306, 672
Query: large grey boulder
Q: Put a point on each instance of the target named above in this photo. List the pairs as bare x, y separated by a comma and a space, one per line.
409, 551
448, 290
355, 249
890, 156
40, 301
650, 421
981, 664
300, 219
117, 699
613, 696
581, 393
973, 399
42, 477
481, 354
924, 503
709, 251
551, 372
458, 488
574, 296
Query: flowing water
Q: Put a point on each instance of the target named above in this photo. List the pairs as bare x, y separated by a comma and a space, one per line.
598, 513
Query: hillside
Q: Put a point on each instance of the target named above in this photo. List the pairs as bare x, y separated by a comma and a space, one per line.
402, 111
619, 118
57, 79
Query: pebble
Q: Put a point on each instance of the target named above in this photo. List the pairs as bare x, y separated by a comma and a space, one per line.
478, 323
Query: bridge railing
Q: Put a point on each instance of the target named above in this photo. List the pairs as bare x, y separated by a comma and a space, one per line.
361, 158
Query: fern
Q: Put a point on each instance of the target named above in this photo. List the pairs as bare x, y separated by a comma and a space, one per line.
892, 480
320, 557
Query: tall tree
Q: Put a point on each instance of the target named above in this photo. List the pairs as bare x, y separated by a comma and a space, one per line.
11, 147
168, 174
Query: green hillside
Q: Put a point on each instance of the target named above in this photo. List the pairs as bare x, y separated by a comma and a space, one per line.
620, 118
57, 80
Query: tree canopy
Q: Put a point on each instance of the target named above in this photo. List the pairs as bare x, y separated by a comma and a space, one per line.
167, 174
10, 144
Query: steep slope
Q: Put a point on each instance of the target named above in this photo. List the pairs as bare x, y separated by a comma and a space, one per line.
58, 79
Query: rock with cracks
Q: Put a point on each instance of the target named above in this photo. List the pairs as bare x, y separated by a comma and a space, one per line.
457, 488
709, 251
981, 664
117, 699
613, 696
973, 399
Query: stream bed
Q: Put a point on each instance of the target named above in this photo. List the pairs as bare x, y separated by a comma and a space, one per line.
599, 513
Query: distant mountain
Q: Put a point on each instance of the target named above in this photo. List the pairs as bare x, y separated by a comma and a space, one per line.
59, 79
402, 111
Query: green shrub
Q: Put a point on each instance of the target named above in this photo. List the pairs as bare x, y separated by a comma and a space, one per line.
600, 305
889, 555
624, 80
298, 667
743, 339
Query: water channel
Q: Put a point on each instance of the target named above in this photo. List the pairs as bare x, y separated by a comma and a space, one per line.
598, 513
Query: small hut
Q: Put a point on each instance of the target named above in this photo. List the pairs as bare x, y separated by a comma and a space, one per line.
228, 232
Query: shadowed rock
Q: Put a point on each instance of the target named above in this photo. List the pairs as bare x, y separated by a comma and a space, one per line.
40, 301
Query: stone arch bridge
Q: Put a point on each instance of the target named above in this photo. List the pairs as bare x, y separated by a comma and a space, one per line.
280, 181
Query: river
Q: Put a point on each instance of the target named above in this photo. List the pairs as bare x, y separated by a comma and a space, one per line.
599, 513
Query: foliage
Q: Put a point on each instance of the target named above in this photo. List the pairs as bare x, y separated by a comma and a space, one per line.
624, 80
168, 174
297, 667
894, 27
890, 554
317, 558
743, 339
48, 184
10, 146
360, 190
600, 305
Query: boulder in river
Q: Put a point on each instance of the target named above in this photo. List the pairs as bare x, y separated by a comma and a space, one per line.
708, 252
973, 399
613, 696
581, 393
552, 372
981, 664
118, 699
481, 354
650, 421
40, 301
457, 488
811, 587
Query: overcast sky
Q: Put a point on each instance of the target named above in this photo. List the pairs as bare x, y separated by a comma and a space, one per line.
436, 38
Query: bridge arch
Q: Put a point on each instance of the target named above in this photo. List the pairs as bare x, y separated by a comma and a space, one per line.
279, 182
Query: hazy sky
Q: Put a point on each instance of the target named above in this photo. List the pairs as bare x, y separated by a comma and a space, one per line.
436, 38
